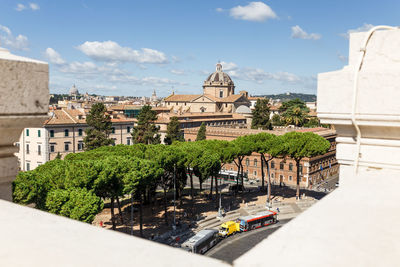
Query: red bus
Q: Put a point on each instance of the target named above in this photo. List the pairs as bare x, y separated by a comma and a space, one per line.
258, 220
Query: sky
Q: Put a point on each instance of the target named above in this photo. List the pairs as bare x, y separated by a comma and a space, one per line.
134, 47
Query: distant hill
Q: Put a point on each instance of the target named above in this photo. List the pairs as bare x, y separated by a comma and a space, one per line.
289, 96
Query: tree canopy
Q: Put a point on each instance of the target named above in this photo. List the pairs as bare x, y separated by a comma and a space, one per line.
174, 132
201, 134
146, 132
261, 115
99, 123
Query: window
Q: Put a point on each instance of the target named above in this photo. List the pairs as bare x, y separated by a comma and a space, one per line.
39, 150
66, 132
27, 148
281, 165
290, 177
231, 169
128, 129
255, 173
114, 140
66, 146
221, 93
28, 166
113, 130
290, 166
39, 163
128, 141
300, 168
51, 133
272, 175
51, 147
272, 164
80, 132
80, 146
27, 132
38, 133
247, 162
255, 162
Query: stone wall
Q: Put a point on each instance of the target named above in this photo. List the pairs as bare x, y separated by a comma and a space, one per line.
24, 99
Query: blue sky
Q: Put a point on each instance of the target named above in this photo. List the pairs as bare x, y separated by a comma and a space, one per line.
132, 47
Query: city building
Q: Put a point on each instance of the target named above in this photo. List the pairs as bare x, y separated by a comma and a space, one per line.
218, 96
283, 170
62, 133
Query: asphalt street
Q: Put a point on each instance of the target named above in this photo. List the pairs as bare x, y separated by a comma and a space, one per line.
233, 247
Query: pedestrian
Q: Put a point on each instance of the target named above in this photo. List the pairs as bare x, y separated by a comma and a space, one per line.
277, 209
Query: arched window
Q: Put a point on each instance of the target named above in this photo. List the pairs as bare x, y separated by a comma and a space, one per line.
281, 165
255, 162
247, 162
290, 166
272, 164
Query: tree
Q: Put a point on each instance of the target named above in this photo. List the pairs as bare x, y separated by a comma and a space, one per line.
241, 147
143, 173
201, 134
146, 132
276, 120
75, 203
298, 145
174, 132
99, 130
261, 115
294, 112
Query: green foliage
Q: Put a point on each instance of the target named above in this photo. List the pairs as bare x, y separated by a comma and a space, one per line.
76, 203
201, 134
294, 112
146, 132
312, 122
276, 120
299, 145
174, 132
261, 115
99, 123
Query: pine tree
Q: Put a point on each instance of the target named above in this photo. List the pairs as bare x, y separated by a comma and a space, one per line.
174, 132
261, 115
99, 130
201, 134
146, 132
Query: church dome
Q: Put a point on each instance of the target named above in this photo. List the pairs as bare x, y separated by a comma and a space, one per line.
243, 110
73, 90
218, 77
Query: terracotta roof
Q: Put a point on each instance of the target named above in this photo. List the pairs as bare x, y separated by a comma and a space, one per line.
230, 99
181, 98
256, 97
125, 107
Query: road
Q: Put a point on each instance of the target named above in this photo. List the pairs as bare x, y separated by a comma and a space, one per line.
233, 247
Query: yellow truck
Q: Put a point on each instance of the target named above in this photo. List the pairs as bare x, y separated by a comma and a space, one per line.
228, 228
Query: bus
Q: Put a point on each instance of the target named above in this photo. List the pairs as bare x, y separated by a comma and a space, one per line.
258, 220
202, 241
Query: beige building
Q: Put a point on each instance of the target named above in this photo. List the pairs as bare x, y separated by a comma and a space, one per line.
218, 96
283, 170
62, 133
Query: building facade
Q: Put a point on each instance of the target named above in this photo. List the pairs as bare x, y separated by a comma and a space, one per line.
283, 171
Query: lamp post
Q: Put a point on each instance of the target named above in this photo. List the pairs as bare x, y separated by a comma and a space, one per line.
220, 196
174, 225
132, 214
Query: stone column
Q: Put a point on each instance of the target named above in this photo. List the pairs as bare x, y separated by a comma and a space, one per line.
24, 99
377, 111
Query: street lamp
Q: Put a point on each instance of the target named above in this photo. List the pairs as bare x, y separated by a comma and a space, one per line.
174, 225
220, 195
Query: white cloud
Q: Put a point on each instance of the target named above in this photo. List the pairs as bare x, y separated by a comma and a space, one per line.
20, 7
254, 11
177, 72
112, 51
364, 28
227, 66
152, 81
342, 58
219, 9
34, 6
7, 39
53, 56
299, 33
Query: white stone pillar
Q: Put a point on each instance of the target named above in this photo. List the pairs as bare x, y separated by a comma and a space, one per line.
377, 111
24, 99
